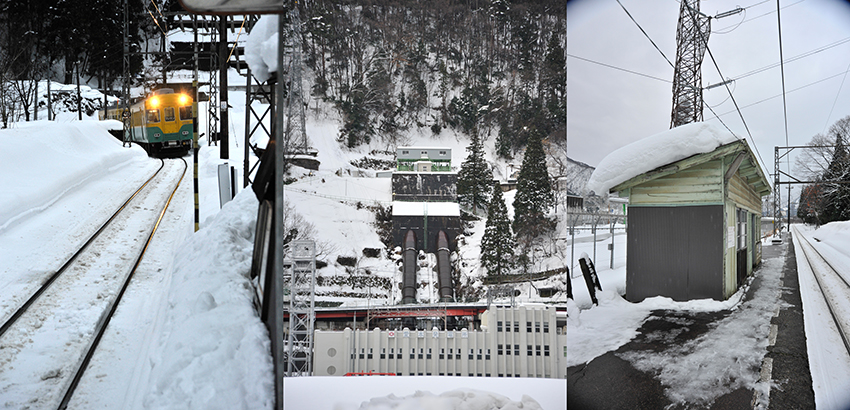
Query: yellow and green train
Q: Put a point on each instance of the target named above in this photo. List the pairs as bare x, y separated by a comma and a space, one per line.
160, 123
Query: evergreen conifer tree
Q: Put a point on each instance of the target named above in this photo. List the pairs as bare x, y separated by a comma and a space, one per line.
474, 178
837, 195
534, 194
497, 245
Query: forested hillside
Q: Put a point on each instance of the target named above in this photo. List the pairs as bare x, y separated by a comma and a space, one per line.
493, 67
478, 66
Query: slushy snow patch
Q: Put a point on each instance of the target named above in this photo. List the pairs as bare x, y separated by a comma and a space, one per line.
703, 369
656, 151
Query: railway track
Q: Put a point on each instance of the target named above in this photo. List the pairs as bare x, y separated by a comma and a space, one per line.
833, 285
47, 343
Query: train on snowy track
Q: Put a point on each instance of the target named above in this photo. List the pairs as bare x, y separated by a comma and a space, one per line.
160, 123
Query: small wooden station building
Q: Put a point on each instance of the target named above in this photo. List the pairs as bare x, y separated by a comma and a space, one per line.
694, 225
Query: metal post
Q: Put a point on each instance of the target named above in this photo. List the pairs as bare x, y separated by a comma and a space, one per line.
279, 220
125, 91
224, 125
245, 170
195, 125
79, 97
776, 191
611, 265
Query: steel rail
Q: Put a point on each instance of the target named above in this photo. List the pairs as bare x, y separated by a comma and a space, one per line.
46, 284
842, 331
107, 314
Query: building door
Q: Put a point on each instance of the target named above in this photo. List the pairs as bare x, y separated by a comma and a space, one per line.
741, 254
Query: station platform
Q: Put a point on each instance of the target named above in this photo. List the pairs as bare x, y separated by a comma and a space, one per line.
612, 382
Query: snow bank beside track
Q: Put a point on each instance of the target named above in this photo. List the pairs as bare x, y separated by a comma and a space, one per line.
52, 159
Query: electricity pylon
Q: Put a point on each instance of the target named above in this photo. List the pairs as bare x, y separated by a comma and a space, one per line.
691, 43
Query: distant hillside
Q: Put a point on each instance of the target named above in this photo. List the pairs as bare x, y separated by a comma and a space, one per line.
391, 68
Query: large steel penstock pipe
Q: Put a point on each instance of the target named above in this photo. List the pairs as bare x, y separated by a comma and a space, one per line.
444, 268
408, 280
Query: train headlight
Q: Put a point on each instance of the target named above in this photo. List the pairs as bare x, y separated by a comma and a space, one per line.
184, 99
154, 101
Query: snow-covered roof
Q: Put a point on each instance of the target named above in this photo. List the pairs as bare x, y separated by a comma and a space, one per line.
656, 151
401, 208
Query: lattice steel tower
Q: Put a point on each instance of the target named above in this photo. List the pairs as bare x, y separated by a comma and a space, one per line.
302, 314
691, 42
296, 131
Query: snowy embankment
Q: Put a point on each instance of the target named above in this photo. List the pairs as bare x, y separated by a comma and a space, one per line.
830, 374
32, 180
213, 351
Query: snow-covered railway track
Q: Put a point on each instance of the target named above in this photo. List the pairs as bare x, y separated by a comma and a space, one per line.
45, 348
834, 287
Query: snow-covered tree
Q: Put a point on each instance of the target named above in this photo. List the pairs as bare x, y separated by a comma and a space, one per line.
534, 194
497, 245
475, 178
836, 204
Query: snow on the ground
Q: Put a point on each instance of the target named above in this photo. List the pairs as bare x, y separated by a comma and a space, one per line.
595, 330
85, 155
828, 359
655, 151
213, 351
723, 366
615, 321
193, 339
424, 392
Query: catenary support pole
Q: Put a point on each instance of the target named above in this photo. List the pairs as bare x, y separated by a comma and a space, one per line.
224, 125
278, 215
195, 124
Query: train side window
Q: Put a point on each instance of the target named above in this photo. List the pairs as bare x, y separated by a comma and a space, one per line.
186, 113
153, 115
169, 113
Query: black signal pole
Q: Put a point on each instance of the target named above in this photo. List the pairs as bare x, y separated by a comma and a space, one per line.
224, 125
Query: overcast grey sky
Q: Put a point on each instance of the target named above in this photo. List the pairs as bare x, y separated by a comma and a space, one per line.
609, 108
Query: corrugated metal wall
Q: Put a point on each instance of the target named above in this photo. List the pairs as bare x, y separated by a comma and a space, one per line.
675, 252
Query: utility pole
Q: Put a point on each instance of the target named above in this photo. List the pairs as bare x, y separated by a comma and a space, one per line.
691, 43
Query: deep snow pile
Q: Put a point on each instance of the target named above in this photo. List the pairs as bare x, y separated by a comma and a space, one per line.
85, 155
214, 350
424, 392
655, 151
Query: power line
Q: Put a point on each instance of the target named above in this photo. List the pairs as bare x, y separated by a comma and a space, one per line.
795, 58
782, 70
644, 33
789, 92
726, 85
762, 15
618, 68
835, 101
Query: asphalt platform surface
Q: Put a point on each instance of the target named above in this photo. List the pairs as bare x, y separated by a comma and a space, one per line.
609, 382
